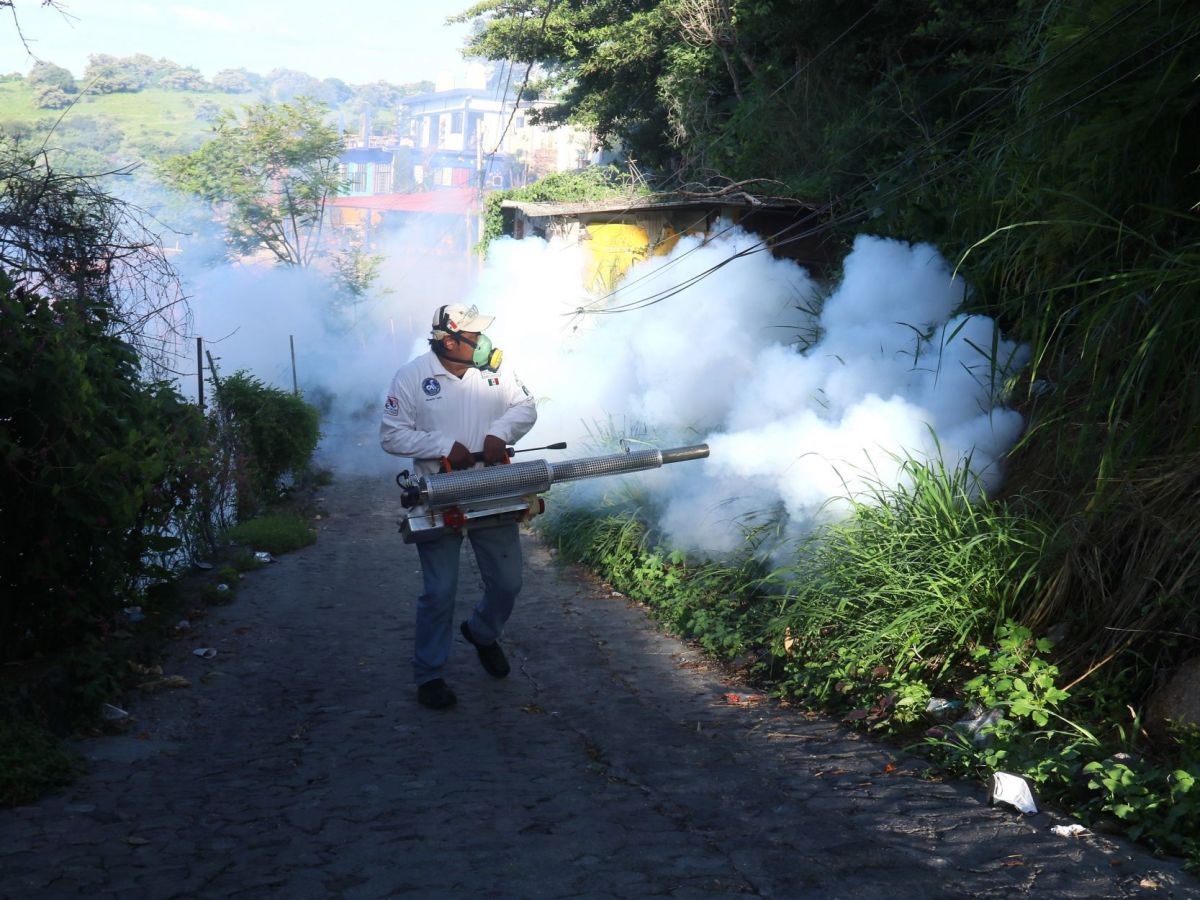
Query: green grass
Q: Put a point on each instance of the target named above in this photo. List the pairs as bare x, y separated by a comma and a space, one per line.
275, 533
155, 117
912, 582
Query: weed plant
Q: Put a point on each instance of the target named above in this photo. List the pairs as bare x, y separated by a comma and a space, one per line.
908, 585
31, 762
274, 533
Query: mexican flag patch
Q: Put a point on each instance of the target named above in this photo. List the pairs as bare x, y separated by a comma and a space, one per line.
493, 381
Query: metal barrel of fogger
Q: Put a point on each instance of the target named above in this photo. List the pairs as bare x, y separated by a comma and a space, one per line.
536, 476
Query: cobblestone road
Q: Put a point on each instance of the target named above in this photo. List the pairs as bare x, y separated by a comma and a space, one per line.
608, 765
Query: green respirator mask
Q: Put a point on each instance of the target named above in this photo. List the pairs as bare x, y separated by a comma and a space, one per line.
485, 357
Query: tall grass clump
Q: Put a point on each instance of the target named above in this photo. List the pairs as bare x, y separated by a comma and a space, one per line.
1073, 192
906, 587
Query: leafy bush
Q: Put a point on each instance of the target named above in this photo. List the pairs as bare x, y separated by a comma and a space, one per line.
31, 762
910, 583
274, 434
710, 602
94, 463
592, 183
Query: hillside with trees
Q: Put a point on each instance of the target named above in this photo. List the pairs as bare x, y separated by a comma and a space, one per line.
126, 111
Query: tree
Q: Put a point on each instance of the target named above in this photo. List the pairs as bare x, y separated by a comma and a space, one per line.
236, 81
269, 172
335, 92
184, 79
48, 75
111, 75
603, 60
97, 463
47, 96
286, 85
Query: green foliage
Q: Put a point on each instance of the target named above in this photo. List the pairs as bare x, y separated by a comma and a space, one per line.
592, 183
49, 97
236, 81
354, 281
275, 533
31, 762
603, 57
93, 464
1158, 804
1015, 676
48, 75
274, 433
709, 602
909, 583
272, 168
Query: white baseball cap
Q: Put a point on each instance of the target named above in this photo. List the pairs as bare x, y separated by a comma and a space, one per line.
457, 318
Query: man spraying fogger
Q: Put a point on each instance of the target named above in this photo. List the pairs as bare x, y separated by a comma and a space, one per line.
455, 403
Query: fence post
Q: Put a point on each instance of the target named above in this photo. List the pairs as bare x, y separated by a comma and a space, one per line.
295, 383
200, 373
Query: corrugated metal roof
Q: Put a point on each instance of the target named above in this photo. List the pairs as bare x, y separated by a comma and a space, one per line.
643, 204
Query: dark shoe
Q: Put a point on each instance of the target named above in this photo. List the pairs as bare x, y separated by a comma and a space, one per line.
490, 655
436, 694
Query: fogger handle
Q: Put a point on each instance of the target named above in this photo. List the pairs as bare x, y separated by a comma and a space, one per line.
478, 454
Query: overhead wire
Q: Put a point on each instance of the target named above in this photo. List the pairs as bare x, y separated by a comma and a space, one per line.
777, 239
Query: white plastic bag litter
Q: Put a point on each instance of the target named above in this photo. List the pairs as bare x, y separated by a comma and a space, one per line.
1012, 790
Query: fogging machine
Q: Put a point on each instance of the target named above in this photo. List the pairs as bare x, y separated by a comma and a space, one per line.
447, 502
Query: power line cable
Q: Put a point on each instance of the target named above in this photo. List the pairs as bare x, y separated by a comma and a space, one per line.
904, 189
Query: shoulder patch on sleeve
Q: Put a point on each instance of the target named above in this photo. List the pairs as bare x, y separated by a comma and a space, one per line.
391, 406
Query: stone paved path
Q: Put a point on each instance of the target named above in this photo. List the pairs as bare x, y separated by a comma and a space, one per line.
608, 765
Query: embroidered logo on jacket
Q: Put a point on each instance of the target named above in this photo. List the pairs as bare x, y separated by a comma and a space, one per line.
431, 386
392, 406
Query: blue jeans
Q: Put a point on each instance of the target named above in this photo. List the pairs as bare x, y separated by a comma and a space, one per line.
498, 553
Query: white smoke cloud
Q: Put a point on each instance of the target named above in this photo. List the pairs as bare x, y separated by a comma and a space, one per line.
891, 370
250, 315
805, 393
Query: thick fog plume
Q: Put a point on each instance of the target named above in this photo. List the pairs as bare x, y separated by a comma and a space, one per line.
806, 396
251, 314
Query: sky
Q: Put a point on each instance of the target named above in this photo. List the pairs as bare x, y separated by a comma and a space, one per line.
398, 41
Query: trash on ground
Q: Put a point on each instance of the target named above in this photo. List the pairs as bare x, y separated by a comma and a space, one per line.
978, 726
134, 613
942, 709
1012, 790
183, 625
159, 684
264, 556
200, 564
1069, 830
205, 652
112, 713
222, 588
144, 670
737, 698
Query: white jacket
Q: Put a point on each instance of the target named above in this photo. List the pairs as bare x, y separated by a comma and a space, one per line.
428, 409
